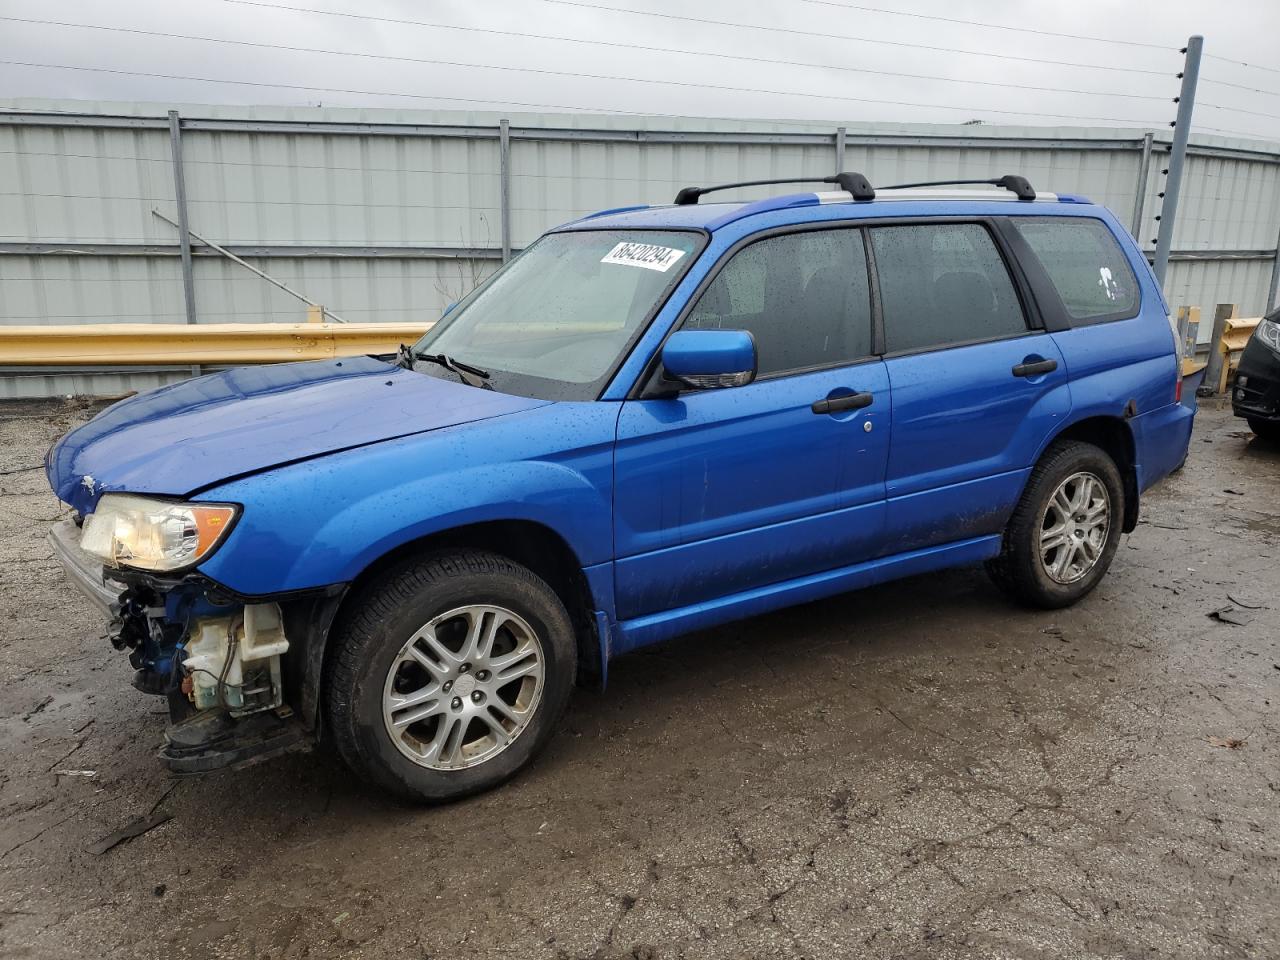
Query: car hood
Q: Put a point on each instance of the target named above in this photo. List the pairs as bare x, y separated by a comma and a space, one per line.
188, 436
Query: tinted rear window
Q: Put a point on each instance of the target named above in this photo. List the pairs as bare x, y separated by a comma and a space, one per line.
1085, 265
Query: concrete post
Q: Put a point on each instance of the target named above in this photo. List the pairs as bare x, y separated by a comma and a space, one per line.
1217, 357
1177, 156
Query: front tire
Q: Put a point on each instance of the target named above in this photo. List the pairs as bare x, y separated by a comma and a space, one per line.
450, 675
1266, 430
1064, 532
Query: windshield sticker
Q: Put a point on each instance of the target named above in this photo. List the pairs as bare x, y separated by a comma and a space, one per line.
647, 255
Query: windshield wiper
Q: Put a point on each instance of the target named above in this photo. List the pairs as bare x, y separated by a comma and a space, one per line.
472, 376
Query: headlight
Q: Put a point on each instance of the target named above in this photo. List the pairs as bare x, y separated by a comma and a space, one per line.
1268, 331
129, 531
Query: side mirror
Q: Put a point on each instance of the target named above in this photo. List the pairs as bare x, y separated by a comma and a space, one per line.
707, 359
445, 312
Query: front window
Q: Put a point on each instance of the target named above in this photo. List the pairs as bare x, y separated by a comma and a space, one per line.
804, 297
554, 322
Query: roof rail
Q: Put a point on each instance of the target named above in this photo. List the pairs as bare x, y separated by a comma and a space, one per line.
853, 183
1010, 181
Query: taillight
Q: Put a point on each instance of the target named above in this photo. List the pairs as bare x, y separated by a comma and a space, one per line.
1177, 388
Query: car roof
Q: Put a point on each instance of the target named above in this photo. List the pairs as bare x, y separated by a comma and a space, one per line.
888, 203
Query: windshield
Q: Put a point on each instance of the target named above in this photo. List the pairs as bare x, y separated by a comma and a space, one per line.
553, 322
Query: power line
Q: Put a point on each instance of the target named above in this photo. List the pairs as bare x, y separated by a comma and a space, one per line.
564, 73
856, 39
1241, 63
516, 69
1231, 133
989, 26
1251, 113
1240, 86
555, 106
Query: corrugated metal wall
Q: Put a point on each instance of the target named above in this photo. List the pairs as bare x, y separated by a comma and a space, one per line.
393, 214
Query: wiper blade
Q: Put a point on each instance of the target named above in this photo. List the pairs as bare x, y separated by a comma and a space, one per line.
468, 374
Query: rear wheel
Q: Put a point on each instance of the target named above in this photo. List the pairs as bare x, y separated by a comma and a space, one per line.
1065, 530
450, 676
1268, 430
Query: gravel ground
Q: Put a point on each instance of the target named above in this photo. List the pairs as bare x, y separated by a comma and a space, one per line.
913, 770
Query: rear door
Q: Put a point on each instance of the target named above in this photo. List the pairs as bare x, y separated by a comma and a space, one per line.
976, 387
722, 491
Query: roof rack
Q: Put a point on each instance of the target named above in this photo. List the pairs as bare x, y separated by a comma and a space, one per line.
853, 183
1010, 181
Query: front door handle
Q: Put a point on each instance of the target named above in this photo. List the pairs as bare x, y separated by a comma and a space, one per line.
853, 401
1035, 368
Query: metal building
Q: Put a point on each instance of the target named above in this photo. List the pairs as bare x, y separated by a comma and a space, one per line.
392, 214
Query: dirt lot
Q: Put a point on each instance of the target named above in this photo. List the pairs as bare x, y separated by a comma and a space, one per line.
914, 770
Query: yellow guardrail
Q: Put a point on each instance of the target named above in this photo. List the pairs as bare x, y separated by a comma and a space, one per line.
1236, 332
212, 343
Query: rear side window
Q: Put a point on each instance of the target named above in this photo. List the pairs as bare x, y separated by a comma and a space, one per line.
804, 297
1085, 265
943, 284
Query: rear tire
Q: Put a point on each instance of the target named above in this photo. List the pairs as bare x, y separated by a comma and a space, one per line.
1266, 430
1064, 532
450, 675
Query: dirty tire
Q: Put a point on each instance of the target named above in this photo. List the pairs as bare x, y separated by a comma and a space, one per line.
1266, 430
1018, 570
369, 640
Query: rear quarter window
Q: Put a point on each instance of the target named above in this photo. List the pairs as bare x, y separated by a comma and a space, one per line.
1085, 264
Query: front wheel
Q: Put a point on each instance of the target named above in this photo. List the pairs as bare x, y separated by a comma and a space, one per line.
1268, 430
1064, 532
450, 676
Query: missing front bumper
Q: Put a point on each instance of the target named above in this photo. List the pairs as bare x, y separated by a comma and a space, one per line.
84, 571
218, 661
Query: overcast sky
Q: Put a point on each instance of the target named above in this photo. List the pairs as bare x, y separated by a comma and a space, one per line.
586, 55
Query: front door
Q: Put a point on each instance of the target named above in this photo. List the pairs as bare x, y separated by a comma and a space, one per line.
722, 491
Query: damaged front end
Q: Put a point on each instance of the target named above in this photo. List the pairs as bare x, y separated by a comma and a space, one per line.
226, 665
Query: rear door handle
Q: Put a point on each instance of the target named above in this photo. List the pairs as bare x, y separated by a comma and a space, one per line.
1035, 368
854, 401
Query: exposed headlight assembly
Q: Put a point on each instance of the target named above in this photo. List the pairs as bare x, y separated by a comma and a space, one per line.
159, 535
1268, 331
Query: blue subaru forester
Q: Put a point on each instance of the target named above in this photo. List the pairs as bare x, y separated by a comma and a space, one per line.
653, 420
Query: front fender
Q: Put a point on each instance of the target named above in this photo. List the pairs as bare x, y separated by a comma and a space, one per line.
322, 522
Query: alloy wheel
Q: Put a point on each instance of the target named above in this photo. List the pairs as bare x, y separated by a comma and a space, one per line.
1074, 527
463, 687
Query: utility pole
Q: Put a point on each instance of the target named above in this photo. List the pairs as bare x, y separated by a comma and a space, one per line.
1177, 156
